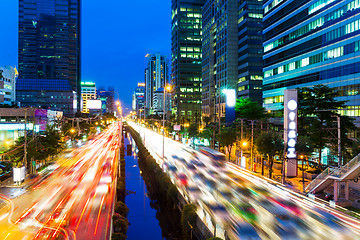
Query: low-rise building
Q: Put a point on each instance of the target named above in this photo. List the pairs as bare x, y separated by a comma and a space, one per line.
88, 92
8, 77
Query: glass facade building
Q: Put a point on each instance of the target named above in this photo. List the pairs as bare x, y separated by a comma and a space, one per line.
156, 76
49, 50
312, 42
219, 63
250, 65
186, 55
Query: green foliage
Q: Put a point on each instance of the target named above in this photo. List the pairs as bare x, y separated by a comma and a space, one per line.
39, 147
118, 236
317, 119
304, 146
172, 193
188, 220
245, 108
207, 133
120, 222
193, 130
227, 138
121, 208
271, 145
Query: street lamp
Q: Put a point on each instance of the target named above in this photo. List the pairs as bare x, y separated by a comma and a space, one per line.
167, 88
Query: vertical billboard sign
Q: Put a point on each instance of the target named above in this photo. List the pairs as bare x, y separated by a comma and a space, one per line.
230, 105
290, 130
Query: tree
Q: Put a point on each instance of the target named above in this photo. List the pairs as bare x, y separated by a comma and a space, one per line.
317, 117
304, 146
245, 108
270, 145
193, 130
207, 120
227, 138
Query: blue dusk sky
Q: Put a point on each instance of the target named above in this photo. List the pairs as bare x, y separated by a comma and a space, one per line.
116, 36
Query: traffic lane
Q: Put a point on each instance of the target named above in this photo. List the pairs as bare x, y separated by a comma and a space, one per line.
54, 175
155, 137
304, 203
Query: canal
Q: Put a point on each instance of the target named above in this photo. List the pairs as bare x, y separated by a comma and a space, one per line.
149, 218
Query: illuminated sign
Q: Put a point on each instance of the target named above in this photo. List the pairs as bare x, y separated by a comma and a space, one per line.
17, 127
93, 104
290, 130
230, 97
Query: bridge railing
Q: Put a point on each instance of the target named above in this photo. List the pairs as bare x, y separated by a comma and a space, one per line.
349, 165
328, 171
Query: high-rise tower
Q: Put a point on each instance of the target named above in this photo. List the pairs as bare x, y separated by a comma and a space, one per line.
186, 59
49, 54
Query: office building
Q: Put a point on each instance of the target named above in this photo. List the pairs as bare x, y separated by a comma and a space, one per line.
107, 98
156, 76
312, 42
138, 102
49, 53
250, 66
186, 54
220, 61
54, 94
88, 92
8, 77
232, 53
159, 102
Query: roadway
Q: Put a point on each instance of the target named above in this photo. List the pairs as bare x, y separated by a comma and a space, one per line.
236, 204
72, 200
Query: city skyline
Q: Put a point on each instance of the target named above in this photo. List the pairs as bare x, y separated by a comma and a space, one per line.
120, 32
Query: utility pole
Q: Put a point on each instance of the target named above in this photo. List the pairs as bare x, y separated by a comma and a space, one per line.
25, 139
252, 145
339, 141
219, 110
163, 150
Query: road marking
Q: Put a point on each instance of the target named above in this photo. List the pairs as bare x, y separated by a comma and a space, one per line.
97, 221
82, 213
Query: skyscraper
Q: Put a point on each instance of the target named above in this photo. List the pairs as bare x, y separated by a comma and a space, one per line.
49, 54
186, 57
156, 76
250, 65
232, 52
312, 42
220, 55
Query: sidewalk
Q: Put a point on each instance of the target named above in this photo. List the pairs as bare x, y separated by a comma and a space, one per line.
10, 182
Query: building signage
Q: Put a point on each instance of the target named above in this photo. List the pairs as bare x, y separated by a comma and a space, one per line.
290, 130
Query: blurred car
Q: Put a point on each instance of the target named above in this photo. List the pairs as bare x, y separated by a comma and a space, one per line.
182, 179
259, 191
59, 218
289, 205
242, 230
218, 210
197, 163
243, 191
244, 210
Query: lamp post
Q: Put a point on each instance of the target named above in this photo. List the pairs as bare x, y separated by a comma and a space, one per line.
163, 150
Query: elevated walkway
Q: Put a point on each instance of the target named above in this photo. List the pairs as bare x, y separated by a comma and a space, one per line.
334, 175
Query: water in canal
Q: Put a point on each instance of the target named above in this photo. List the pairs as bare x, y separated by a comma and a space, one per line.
145, 213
